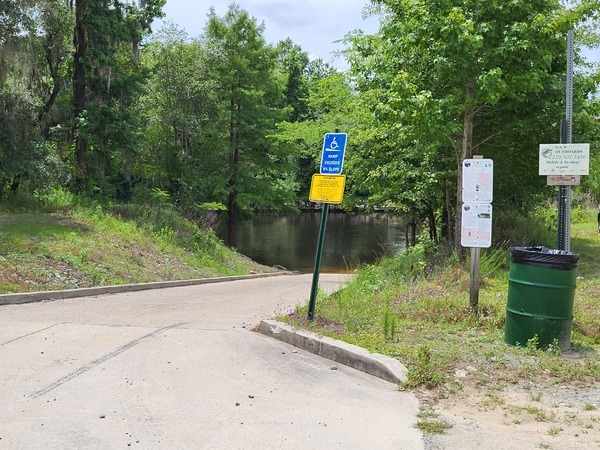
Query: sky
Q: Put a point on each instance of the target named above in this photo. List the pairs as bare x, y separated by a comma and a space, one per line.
312, 24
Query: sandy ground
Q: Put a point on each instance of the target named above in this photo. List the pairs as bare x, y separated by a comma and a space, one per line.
518, 417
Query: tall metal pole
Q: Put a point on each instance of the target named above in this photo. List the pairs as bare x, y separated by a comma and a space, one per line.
563, 199
318, 257
566, 137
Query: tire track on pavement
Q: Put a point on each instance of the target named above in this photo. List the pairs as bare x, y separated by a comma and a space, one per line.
86, 367
30, 334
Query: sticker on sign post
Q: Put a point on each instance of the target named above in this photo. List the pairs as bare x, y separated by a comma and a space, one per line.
332, 158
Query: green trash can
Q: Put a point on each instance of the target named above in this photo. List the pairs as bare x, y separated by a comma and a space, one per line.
541, 291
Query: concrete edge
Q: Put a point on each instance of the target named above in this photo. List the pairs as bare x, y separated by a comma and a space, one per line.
380, 366
31, 297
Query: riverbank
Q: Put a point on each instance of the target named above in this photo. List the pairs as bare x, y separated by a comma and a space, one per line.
84, 247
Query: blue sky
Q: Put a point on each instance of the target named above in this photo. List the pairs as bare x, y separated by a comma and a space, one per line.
312, 24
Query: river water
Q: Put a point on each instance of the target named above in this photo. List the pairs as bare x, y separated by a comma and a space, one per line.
290, 240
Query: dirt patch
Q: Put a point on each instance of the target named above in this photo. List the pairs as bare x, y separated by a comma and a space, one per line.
516, 416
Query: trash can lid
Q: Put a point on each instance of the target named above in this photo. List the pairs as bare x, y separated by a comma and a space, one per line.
544, 257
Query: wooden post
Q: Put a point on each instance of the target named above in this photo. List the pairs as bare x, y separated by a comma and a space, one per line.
475, 265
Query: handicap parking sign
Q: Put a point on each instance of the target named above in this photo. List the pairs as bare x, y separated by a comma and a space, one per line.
332, 158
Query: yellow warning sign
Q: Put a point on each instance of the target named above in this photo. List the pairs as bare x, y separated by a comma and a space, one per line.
327, 188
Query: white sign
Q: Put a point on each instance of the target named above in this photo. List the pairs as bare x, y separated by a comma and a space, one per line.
478, 181
564, 159
476, 226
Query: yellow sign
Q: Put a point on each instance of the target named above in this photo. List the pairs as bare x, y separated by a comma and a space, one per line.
327, 188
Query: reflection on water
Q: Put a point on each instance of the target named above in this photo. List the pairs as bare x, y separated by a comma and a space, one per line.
290, 240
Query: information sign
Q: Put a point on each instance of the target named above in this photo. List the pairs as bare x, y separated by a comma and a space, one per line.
332, 158
564, 159
327, 188
478, 181
476, 226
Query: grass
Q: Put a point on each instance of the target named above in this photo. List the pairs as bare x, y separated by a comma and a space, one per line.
418, 312
82, 246
427, 426
429, 422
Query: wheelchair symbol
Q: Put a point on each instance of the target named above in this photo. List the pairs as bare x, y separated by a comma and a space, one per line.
333, 145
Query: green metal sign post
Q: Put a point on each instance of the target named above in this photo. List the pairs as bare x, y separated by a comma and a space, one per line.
315, 281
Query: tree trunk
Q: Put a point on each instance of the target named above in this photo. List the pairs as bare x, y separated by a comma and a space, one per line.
411, 232
53, 67
79, 89
466, 153
232, 212
433, 235
234, 156
448, 215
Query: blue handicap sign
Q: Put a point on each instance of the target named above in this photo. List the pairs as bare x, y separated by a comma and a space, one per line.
332, 159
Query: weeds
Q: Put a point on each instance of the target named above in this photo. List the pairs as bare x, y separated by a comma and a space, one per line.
424, 371
428, 423
537, 397
433, 426
389, 325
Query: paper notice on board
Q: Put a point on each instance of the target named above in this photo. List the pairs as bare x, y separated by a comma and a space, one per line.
476, 226
478, 181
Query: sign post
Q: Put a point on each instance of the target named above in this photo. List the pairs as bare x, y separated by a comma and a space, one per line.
563, 233
476, 222
319, 256
564, 163
326, 187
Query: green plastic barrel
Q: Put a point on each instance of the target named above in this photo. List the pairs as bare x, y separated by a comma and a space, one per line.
541, 292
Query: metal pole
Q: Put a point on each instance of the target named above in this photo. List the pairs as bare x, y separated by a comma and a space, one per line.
569, 103
318, 257
564, 199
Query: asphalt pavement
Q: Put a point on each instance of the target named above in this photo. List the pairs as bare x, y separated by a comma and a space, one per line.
183, 367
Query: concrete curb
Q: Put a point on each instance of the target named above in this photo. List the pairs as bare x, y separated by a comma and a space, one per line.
30, 297
384, 367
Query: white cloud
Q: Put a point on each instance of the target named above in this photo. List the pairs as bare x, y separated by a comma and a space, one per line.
312, 24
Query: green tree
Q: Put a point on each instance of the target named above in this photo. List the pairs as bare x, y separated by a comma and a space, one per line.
180, 110
250, 92
331, 105
295, 62
451, 78
107, 80
32, 54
